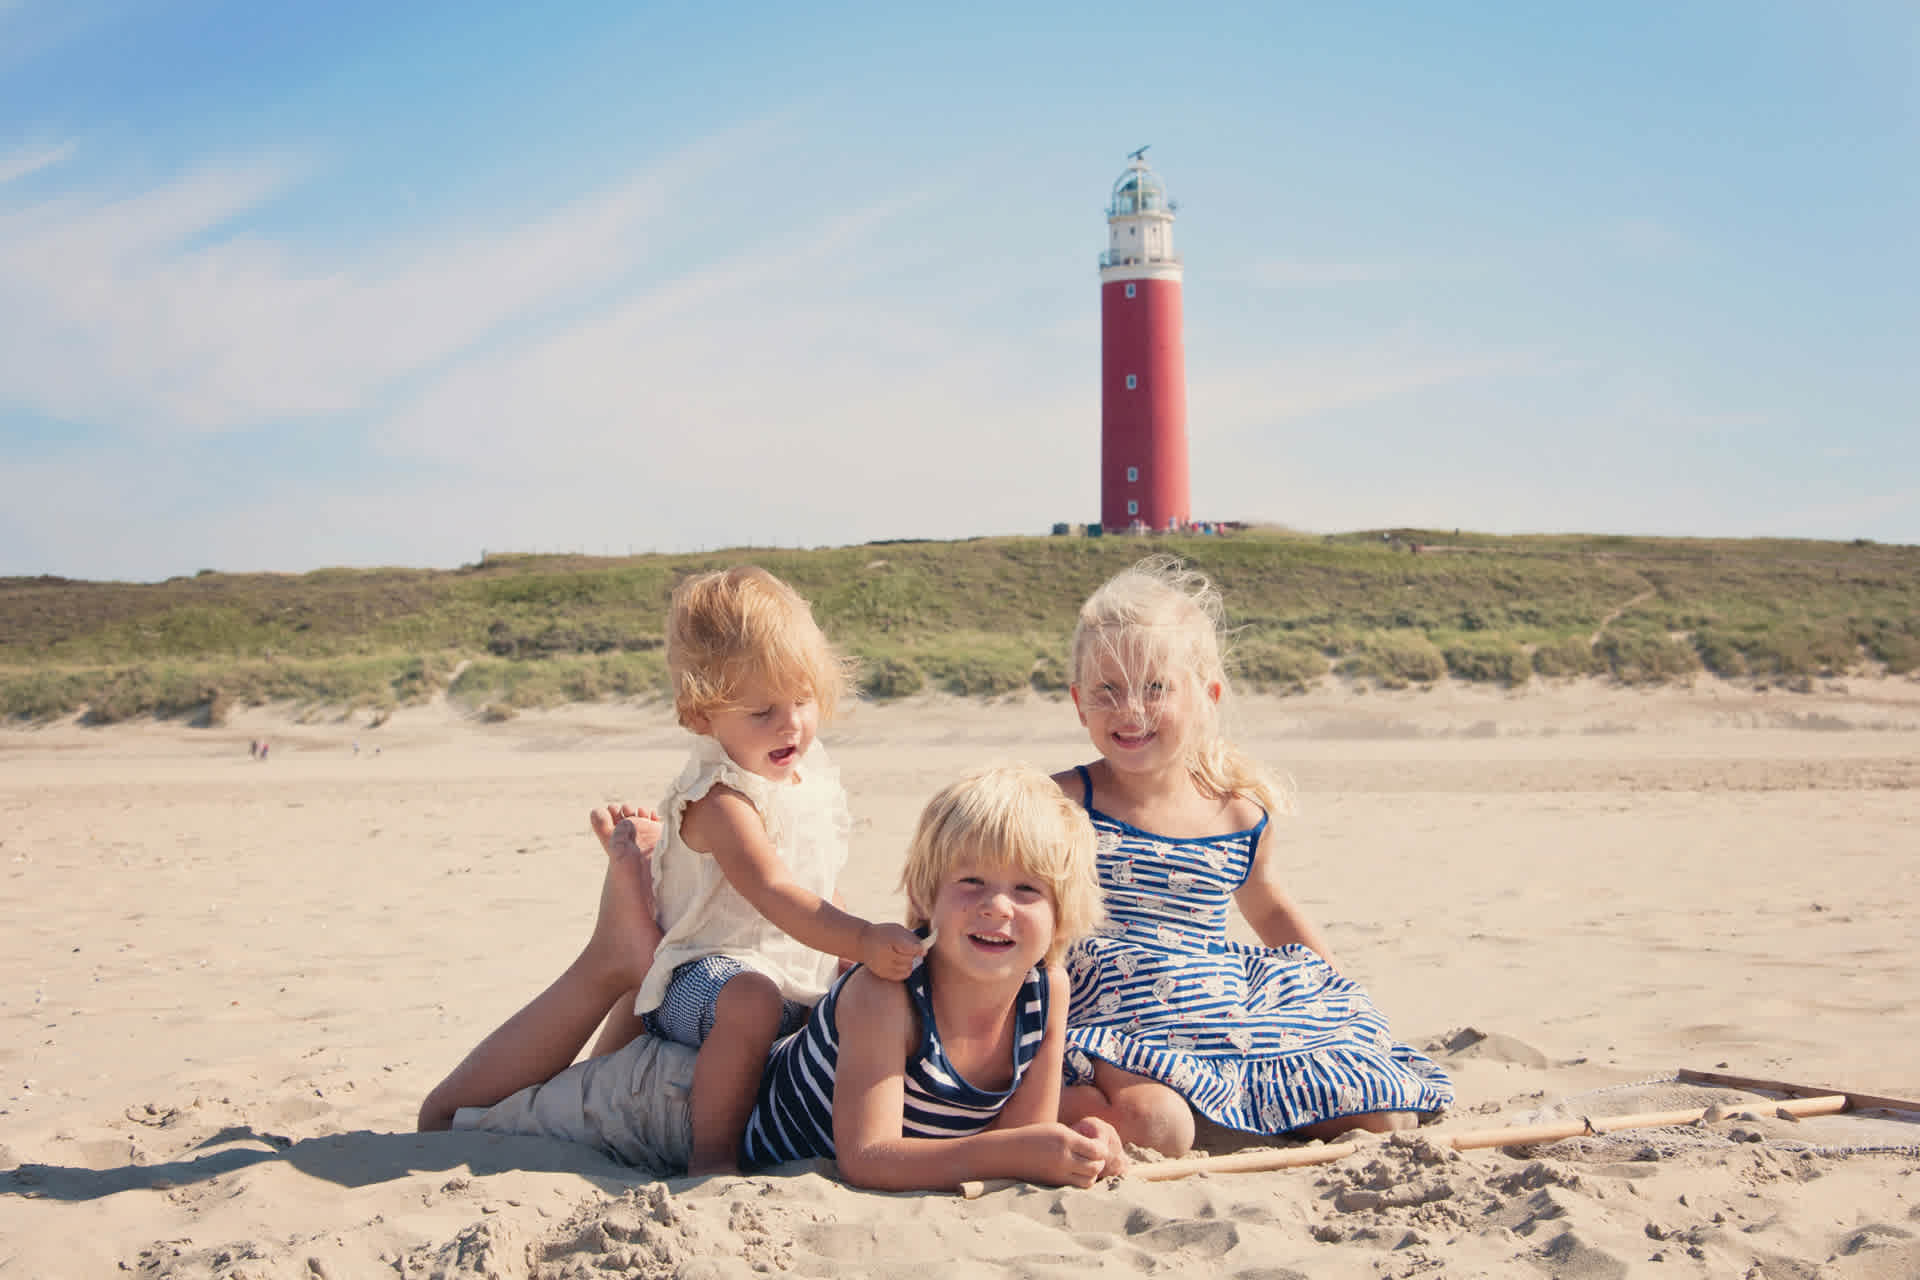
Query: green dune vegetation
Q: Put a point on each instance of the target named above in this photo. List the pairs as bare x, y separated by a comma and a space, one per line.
979, 618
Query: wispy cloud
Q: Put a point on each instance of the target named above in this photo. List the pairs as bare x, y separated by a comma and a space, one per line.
745, 399
150, 311
18, 162
1302, 384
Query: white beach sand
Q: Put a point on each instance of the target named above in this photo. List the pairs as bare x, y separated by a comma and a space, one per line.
227, 985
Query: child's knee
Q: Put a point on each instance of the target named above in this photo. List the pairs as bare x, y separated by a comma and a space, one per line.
749, 1004
1155, 1117
436, 1112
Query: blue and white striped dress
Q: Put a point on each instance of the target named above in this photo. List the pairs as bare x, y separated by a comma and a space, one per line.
793, 1119
1259, 1039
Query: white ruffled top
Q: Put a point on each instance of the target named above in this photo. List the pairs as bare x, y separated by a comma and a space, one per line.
702, 914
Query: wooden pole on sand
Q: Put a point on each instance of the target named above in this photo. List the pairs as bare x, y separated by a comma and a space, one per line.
1526, 1135
1476, 1139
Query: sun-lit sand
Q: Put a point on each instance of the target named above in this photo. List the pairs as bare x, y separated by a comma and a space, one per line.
228, 984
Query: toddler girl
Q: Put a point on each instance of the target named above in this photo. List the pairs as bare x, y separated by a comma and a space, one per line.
1166, 1012
751, 839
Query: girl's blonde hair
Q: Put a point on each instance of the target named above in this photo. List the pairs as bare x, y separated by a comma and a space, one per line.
1008, 816
733, 626
1161, 620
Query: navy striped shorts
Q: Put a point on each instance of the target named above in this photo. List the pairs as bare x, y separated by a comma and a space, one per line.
685, 1015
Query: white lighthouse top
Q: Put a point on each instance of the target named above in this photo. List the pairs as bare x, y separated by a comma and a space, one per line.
1139, 190
1140, 227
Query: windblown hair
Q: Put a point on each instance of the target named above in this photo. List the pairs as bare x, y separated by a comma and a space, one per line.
1008, 816
732, 626
1161, 623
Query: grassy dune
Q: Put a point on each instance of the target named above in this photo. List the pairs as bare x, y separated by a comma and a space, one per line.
977, 618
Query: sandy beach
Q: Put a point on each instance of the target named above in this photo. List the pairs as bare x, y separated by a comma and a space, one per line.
228, 983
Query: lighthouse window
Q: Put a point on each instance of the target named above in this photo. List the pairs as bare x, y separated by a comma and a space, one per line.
1133, 382
1133, 507
1133, 475
1129, 290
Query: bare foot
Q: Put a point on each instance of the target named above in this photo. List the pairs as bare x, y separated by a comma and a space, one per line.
626, 931
643, 829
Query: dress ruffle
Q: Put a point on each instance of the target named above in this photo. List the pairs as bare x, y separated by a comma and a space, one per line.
1263, 1040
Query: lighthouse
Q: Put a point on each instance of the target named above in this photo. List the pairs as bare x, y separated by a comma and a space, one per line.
1143, 362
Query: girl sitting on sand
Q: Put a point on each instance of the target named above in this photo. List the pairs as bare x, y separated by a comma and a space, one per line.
955, 1074
1168, 1016
752, 841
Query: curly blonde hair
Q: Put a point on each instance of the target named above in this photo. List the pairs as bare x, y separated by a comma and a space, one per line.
1008, 816
732, 626
1160, 621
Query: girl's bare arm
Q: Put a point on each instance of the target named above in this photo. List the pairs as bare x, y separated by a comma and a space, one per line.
1273, 916
725, 826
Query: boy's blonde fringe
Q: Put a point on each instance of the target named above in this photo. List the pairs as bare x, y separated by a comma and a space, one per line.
1161, 615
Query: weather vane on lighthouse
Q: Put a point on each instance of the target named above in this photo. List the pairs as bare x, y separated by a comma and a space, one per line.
1143, 363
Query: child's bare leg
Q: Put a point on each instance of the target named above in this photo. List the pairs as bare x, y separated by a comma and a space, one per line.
542, 1039
1144, 1112
632, 835
726, 1075
1371, 1121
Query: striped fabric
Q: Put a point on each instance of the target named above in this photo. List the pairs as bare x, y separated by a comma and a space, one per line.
1259, 1039
793, 1119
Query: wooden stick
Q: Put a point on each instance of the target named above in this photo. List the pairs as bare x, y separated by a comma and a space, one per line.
974, 1188
1527, 1135
1242, 1162
1824, 1102
1855, 1101
1234, 1162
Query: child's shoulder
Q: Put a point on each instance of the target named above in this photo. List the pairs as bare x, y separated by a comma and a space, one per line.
709, 770
874, 1005
717, 816
1243, 811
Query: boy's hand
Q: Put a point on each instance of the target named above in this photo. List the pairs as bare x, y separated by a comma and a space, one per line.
1117, 1161
890, 950
1065, 1157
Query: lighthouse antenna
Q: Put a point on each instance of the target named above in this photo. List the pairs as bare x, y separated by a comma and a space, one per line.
1140, 155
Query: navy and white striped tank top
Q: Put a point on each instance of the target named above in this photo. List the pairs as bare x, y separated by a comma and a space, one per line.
793, 1119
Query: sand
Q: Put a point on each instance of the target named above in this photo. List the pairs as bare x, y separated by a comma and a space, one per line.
228, 984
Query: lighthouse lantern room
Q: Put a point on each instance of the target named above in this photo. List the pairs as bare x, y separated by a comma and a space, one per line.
1143, 375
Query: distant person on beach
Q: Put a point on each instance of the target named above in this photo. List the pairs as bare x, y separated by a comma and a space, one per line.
953, 1075
753, 838
1168, 1016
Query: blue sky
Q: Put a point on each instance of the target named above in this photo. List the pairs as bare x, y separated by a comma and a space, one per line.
293, 285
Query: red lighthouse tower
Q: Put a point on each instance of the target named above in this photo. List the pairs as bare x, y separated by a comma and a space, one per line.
1143, 362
